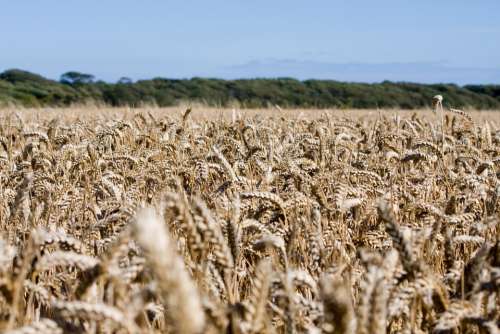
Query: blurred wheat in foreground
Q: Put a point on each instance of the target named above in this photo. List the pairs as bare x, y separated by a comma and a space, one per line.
145, 222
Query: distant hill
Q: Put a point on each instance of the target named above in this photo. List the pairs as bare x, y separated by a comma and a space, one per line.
23, 88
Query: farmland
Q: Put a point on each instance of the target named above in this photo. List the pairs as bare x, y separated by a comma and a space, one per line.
204, 220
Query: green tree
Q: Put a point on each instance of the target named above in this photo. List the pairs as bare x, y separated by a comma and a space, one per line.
124, 81
75, 78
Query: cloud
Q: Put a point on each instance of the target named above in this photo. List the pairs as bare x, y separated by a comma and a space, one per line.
423, 72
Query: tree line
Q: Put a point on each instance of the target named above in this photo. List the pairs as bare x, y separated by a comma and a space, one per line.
22, 88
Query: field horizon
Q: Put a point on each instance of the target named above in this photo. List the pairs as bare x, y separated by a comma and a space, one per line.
201, 112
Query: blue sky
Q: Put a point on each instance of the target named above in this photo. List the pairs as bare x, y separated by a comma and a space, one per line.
407, 40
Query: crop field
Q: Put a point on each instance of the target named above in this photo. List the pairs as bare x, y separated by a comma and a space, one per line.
259, 221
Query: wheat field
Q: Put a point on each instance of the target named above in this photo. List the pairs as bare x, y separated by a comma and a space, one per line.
260, 221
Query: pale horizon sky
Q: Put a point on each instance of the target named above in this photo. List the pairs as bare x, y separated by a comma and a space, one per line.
366, 41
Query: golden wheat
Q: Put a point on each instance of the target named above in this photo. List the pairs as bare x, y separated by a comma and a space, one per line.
145, 221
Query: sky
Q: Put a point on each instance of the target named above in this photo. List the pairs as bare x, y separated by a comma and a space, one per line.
424, 41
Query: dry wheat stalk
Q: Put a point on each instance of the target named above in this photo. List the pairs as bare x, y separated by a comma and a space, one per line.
152, 222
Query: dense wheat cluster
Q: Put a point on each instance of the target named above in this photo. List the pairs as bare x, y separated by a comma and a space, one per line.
164, 223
